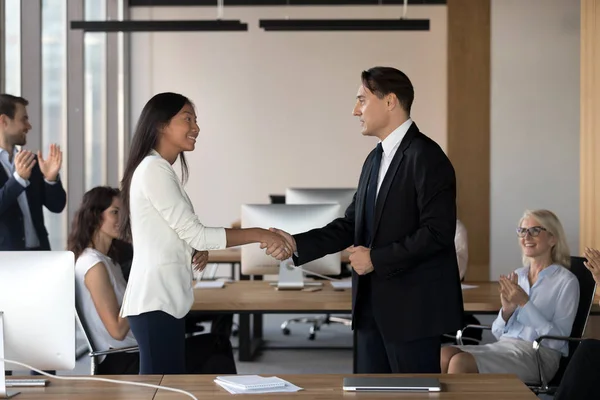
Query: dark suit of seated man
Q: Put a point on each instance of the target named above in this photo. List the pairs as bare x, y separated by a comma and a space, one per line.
27, 182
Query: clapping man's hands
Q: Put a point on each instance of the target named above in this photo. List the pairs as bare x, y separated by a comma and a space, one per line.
24, 162
51, 165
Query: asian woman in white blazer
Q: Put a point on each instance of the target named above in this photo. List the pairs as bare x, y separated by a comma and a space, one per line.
167, 236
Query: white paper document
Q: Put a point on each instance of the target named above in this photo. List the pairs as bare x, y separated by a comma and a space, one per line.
339, 285
209, 285
248, 384
464, 286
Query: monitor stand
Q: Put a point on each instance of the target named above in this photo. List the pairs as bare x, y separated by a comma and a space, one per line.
4, 394
291, 277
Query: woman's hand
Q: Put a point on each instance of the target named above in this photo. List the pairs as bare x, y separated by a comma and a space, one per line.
508, 306
199, 260
511, 291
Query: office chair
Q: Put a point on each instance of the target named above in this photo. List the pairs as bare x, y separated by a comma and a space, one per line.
94, 354
587, 289
317, 321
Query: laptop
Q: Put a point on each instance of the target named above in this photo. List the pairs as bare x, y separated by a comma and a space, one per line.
392, 384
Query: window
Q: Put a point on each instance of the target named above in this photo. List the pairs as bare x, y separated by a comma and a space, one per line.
54, 101
12, 61
95, 98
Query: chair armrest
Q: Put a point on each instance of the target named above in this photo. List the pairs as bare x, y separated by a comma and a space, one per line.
537, 344
131, 349
539, 340
460, 332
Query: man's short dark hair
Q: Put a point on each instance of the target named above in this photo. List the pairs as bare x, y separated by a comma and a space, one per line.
382, 81
8, 104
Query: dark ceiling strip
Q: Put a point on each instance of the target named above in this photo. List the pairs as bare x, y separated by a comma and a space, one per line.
344, 24
159, 26
252, 3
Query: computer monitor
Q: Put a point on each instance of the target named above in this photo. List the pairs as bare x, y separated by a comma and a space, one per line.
292, 219
341, 196
37, 310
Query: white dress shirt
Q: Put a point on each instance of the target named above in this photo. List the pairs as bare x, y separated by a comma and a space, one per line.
165, 231
31, 237
551, 309
462, 248
390, 145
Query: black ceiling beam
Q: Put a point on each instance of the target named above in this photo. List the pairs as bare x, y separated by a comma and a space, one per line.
160, 26
344, 24
274, 3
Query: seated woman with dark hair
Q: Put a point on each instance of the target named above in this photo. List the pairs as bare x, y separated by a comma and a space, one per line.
99, 280
538, 299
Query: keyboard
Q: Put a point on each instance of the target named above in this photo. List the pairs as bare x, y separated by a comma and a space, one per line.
26, 382
341, 285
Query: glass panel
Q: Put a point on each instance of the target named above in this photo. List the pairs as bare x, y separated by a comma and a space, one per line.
12, 62
54, 101
95, 98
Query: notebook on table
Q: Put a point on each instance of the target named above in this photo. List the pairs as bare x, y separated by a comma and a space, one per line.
392, 384
251, 382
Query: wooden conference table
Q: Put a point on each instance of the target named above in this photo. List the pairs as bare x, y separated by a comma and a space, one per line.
252, 299
323, 387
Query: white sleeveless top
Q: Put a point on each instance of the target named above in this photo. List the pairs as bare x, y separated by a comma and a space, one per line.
96, 329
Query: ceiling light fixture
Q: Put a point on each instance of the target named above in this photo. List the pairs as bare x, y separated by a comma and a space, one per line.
218, 24
400, 24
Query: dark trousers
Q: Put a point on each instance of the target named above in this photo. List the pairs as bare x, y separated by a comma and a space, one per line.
119, 364
161, 340
374, 355
582, 375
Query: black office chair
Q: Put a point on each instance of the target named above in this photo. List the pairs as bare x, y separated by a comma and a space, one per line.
94, 354
587, 289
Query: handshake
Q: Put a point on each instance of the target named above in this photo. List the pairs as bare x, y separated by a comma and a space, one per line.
278, 244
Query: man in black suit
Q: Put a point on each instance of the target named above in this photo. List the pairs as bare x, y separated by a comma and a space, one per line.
400, 228
27, 182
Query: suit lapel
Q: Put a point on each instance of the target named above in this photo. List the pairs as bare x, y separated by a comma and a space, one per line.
391, 173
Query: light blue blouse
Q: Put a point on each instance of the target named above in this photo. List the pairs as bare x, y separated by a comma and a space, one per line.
551, 309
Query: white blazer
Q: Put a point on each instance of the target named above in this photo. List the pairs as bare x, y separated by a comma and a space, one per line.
165, 231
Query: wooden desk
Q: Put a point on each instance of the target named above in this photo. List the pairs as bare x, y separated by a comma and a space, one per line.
251, 299
87, 390
329, 387
323, 387
259, 296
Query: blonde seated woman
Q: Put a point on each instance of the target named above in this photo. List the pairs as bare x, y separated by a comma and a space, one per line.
538, 299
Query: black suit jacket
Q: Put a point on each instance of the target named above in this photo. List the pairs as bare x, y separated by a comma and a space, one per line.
415, 286
39, 194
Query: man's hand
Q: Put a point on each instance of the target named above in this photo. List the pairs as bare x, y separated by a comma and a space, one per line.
199, 260
360, 259
24, 162
52, 164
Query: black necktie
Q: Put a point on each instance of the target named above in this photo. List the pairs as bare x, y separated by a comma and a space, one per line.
372, 195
